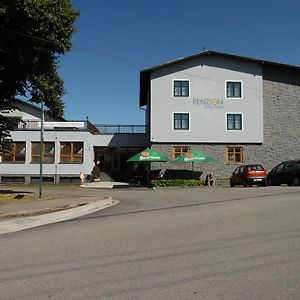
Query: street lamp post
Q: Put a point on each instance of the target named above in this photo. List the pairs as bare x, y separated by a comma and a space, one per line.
41, 151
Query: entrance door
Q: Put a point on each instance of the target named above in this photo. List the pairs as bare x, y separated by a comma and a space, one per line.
108, 157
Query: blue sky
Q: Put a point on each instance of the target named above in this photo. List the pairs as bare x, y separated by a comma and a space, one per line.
118, 38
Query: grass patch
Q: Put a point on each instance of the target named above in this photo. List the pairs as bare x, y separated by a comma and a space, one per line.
18, 193
12, 196
67, 186
17, 197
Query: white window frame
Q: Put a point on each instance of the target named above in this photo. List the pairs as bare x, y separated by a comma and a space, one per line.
181, 112
234, 113
242, 89
181, 97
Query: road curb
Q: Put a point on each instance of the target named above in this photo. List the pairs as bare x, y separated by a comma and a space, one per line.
13, 225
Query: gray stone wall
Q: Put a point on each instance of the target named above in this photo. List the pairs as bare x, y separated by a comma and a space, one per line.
220, 168
281, 98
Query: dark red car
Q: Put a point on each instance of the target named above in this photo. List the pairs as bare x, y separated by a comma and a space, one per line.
248, 175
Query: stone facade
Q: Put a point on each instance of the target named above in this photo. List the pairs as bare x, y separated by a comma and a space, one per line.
281, 96
281, 138
220, 168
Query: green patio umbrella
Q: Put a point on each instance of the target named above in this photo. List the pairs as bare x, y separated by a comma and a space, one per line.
194, 156
148, 155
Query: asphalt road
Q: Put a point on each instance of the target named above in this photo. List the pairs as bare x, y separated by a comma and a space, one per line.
219, 243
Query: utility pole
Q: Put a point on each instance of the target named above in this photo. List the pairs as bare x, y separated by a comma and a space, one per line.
41, 151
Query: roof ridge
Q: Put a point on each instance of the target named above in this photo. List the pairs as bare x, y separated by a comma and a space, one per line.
224, 54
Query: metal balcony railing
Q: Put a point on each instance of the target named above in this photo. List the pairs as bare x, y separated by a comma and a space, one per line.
102, 129
114, 129
32, 125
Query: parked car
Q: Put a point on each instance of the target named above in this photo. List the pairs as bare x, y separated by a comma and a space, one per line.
287, 172
249, 175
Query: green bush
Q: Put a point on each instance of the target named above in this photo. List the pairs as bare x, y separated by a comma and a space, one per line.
176, 182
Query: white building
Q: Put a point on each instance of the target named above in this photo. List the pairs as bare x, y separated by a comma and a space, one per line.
69, 147
237, 109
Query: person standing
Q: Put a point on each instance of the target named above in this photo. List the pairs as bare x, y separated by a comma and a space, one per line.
210, 179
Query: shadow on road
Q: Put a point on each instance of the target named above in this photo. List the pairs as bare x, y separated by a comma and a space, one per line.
93, 216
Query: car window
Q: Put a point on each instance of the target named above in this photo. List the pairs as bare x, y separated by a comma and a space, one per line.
236, 171
279, 168
289, 166
255, 168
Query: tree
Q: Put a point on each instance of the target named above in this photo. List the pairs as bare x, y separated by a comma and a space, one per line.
33, 34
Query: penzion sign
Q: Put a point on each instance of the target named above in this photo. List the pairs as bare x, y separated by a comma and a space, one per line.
208, 102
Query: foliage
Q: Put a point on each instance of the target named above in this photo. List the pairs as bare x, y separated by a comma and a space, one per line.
33, 35
6, 125
176, 182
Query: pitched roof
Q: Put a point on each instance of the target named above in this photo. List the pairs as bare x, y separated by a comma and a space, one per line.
211, 52
33, 106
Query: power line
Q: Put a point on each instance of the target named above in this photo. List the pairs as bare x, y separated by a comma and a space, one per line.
79, 48
29, 36
109, 56
96, 52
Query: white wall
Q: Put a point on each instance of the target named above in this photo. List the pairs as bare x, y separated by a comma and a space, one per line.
57, 167
89, 140
207, 76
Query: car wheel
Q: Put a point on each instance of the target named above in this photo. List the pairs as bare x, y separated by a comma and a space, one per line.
296, 181
232, 184
244, 183
250, 184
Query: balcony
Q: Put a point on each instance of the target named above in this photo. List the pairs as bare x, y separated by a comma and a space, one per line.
57, 126
120, 129
82, 126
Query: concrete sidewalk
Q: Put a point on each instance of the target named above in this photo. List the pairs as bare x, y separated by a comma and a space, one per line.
23, 215
105, 185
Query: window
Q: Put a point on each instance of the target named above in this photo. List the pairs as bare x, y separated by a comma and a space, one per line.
48, 152
238, 170
181, 88
17, 153
280, 168
71, 152
234, 154
255, 168
233, 89
234, 121
177, 151
181, 121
